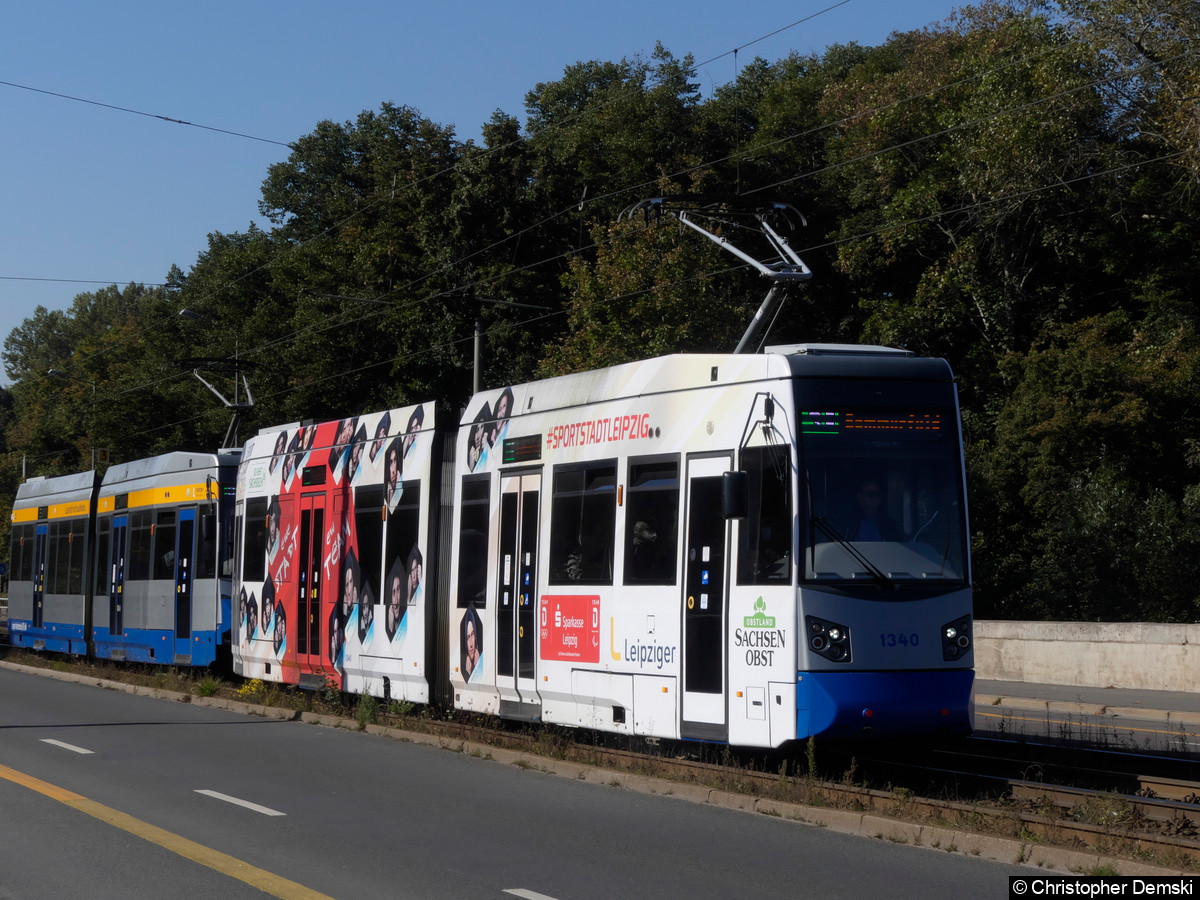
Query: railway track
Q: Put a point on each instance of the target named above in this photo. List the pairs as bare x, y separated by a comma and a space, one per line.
1082, 795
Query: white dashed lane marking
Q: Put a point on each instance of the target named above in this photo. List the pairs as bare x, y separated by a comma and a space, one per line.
65, 746
245, 804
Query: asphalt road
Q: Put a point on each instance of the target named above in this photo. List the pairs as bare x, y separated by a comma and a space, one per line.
106, 794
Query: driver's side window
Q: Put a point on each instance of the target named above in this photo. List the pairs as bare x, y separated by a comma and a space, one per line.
765, 551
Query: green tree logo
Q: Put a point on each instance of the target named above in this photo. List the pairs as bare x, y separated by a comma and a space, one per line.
759, 619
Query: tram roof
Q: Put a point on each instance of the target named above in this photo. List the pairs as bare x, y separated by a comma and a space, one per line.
62, 488
692, 371
166, 464
862, 361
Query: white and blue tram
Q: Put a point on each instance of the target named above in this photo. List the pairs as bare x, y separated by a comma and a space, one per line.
739, 548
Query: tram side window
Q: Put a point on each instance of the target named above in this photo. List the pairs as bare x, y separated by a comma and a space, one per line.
235, 554
652, 522
368, 522
765, 551
31, 558
58, 558
78, 552
140, 528
206, 555
103, 563
230, 535
229, 549
27, 536
50, 563
14, 553
582, 524
473, 542
164, 545
254, 556
403, 557
64, 569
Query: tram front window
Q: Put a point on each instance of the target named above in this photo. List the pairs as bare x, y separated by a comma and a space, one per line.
884, 496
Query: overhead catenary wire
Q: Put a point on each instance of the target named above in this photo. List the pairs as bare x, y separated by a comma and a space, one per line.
1057, 184
136, 112
841, 164
104, 281
346, 318
590, 110
434, 349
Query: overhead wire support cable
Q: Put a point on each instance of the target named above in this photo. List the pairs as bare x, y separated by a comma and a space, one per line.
848, 239
420, 180
138, 112
572, 207
554, 216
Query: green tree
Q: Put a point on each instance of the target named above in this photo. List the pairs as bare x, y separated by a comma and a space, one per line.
650, 291
501, 253
361, 211
1150, 45
115, 387
957, 151
1089, 485
9, 471
766, 137
604, 134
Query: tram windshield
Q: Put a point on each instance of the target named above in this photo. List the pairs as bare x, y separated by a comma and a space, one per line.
882, 493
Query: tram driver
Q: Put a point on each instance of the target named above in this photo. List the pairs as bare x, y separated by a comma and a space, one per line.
873, 523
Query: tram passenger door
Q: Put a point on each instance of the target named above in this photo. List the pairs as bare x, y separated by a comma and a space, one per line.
704, 601
116, 582
516, 596
185, 552
39, 576
308, 595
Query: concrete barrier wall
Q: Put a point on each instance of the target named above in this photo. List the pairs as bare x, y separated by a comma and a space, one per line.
1090, 654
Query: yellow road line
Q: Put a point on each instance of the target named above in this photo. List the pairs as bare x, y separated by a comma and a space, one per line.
275, 885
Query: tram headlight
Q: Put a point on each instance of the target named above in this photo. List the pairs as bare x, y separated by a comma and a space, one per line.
956, 638
828, 639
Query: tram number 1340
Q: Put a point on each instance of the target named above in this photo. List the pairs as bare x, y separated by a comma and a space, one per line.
892, 639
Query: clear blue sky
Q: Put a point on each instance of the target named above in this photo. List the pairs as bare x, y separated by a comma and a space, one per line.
91, 195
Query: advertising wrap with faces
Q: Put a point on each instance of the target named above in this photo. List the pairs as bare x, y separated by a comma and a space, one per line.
341, 542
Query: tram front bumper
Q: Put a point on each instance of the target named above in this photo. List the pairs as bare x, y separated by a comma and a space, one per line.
863, 704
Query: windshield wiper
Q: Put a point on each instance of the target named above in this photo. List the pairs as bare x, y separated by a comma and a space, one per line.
832, 533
